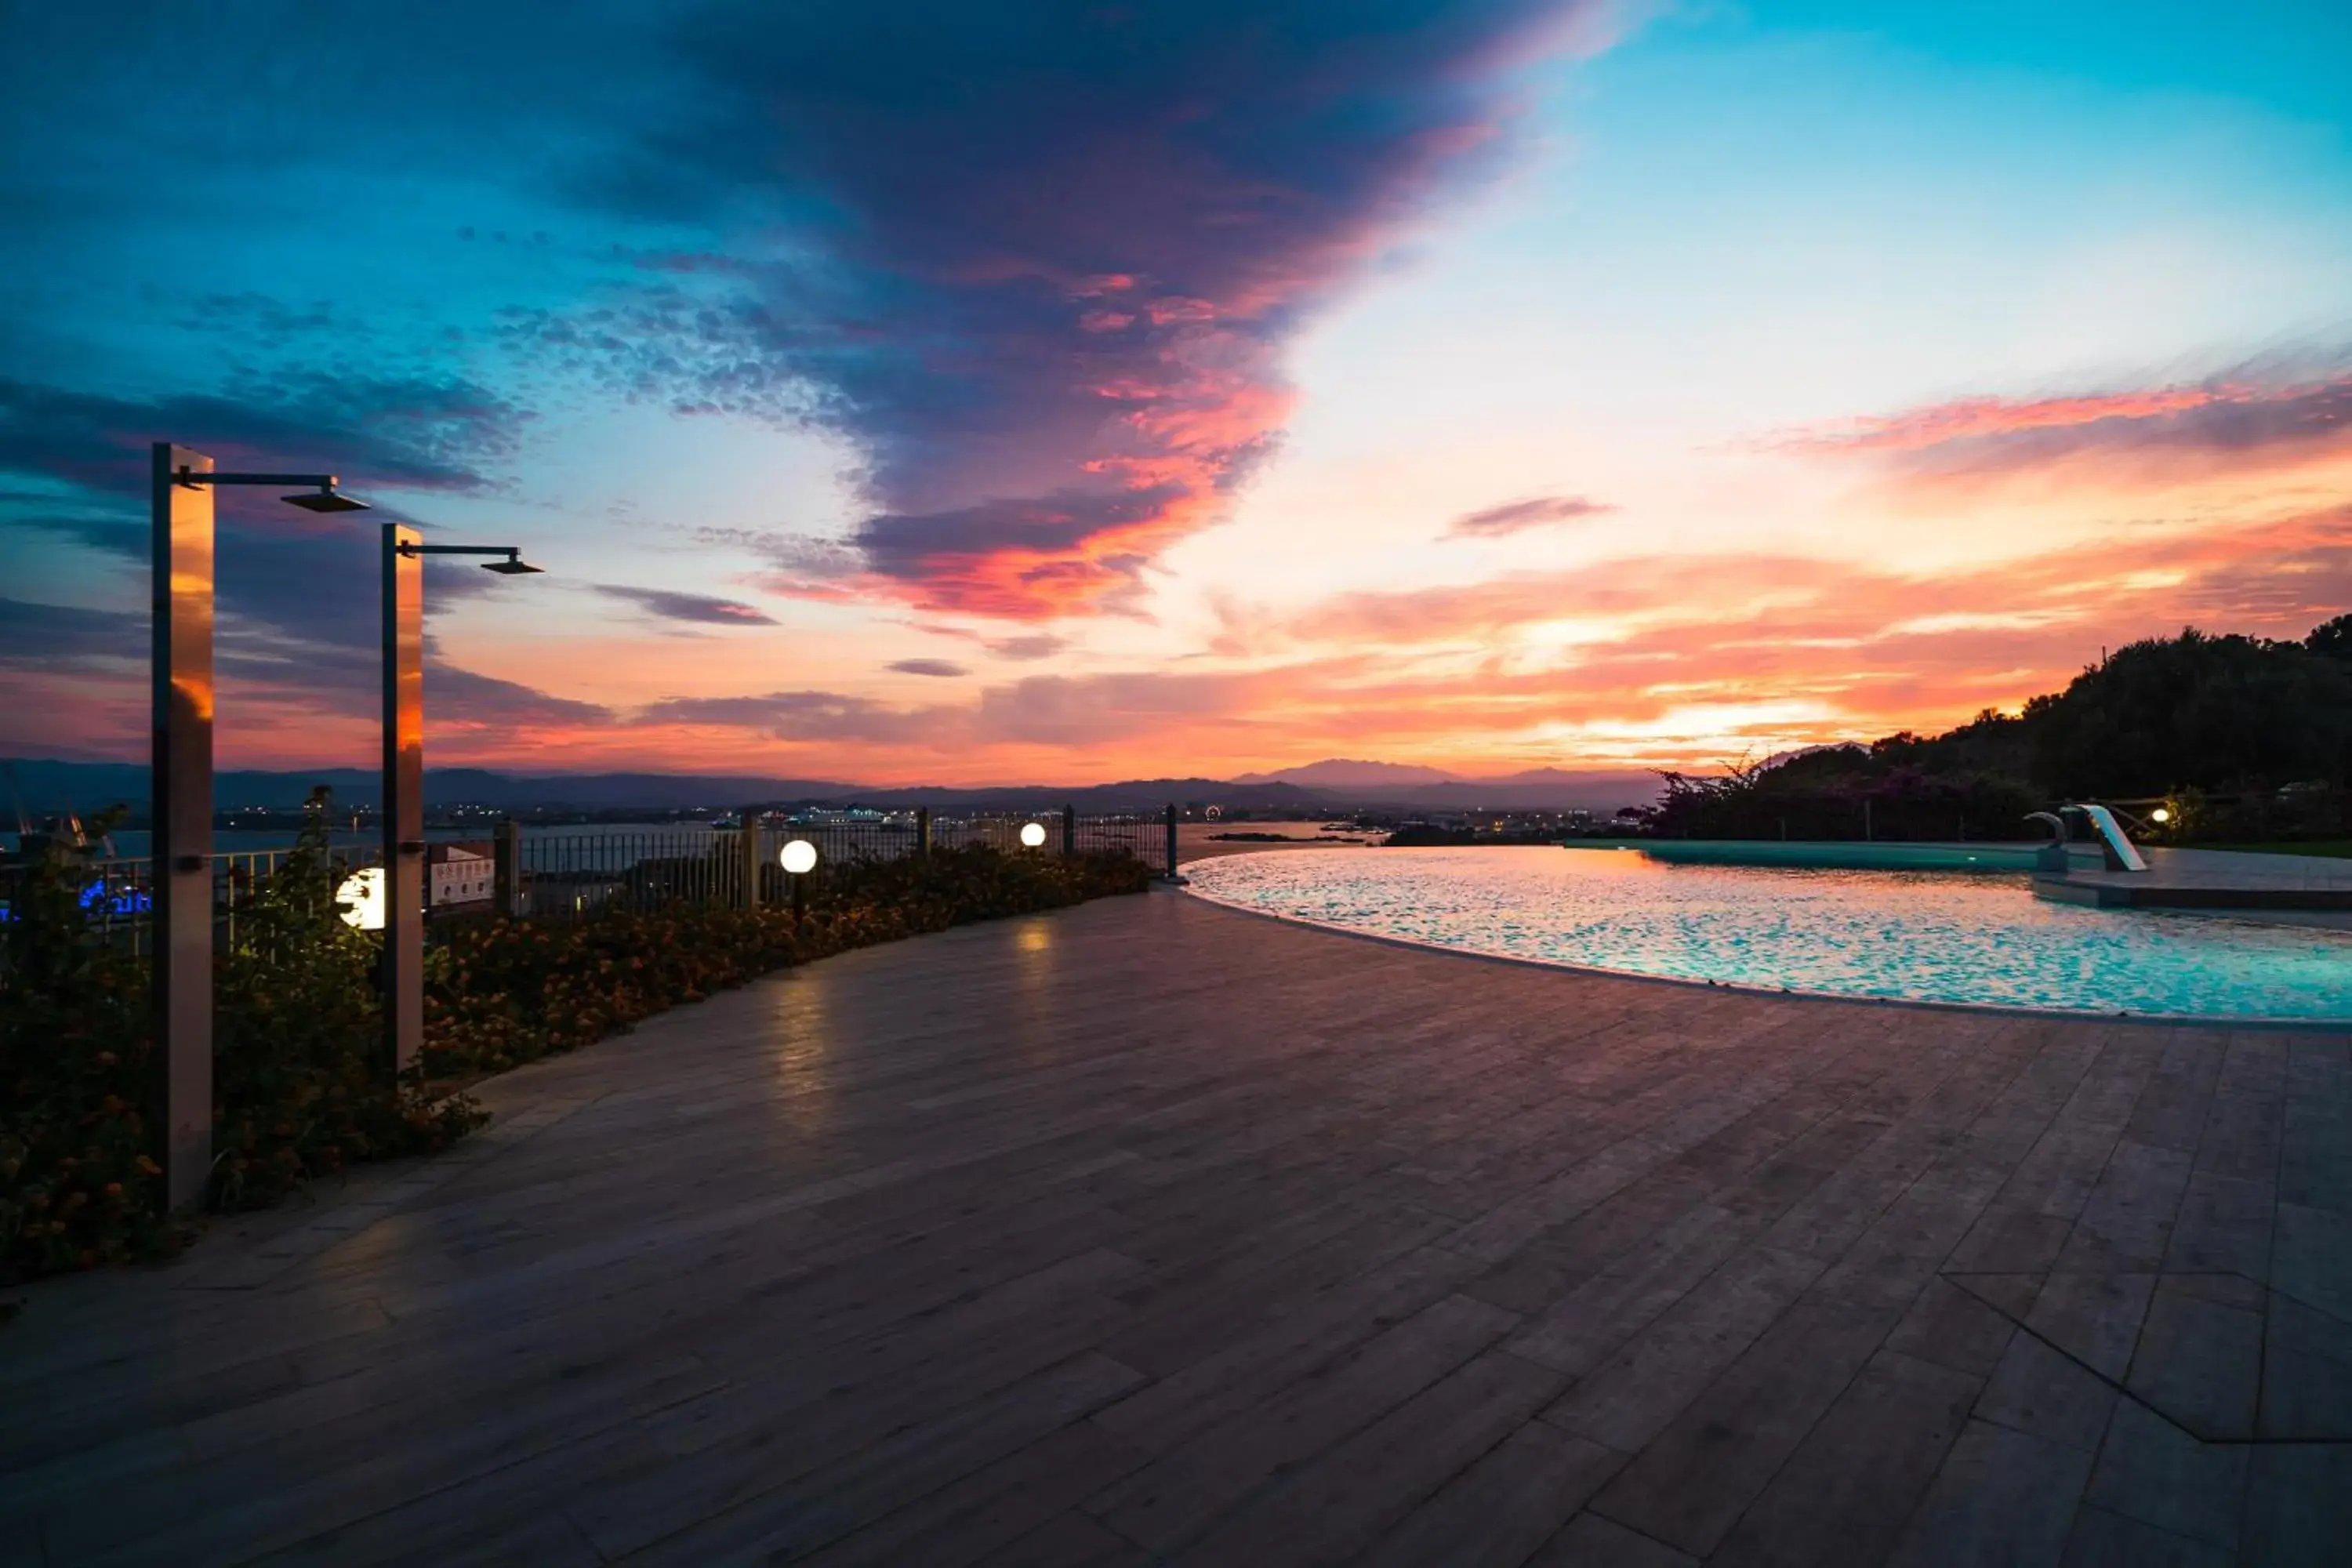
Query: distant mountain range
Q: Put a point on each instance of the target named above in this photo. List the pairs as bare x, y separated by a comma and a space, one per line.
1340, 772
42, 787
1532, 789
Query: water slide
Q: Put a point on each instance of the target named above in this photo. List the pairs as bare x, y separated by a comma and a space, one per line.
2121, 854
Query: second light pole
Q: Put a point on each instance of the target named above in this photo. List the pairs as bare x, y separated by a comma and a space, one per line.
403, 775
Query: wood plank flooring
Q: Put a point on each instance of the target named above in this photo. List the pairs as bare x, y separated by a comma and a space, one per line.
1149, 1231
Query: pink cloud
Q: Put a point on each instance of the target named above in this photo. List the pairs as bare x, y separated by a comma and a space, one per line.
2239, 424
1519, 516
1970, 416
1080, 307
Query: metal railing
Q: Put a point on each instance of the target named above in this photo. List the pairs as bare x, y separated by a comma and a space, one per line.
572, 873
118, 900
568, 873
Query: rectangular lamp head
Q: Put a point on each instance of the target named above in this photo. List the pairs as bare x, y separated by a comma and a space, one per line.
324, 500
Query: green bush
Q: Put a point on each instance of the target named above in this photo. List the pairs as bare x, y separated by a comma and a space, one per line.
301, 1085
501, 991
79, 1086
301, 1080
1841, 793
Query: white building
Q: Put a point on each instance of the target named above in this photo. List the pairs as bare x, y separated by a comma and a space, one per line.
459, 876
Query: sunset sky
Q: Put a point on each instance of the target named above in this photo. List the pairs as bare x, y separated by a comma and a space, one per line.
1067, 390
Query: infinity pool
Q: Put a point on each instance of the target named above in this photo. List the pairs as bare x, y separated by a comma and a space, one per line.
1921, 936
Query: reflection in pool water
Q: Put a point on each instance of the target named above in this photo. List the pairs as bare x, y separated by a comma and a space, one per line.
1917, 935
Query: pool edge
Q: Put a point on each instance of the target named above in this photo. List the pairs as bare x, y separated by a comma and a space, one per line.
2330, 1026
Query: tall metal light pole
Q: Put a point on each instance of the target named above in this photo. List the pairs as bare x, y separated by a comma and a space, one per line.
403, 796
182, 814
180, 807
180, 817
403, 777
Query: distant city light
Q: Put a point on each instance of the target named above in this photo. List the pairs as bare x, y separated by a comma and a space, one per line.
1033, 835
363, 891
799, 857
97, 899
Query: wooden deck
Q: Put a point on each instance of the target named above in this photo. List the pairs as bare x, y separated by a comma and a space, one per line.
1151, 1231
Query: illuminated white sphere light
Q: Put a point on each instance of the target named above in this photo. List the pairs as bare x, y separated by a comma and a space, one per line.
2160, 814
1033, 835
363, 892
799, 857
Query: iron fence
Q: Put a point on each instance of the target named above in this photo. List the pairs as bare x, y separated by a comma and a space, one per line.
118, 897
574, 874
570, 874
2298, 811
563, 874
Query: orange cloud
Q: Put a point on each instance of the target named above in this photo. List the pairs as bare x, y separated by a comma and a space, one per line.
1630, 587
1663, 660
1705, 658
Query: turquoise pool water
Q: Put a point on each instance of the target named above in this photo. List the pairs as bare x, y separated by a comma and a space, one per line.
1922, 936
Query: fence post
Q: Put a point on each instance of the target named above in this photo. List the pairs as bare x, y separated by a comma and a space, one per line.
1069, 832
750, 861
1172, 840
506, 851
923, 831
1866, 834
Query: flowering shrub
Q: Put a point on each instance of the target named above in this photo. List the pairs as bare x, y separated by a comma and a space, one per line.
301, 1078
301, 1086
500, 992
80, 1090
